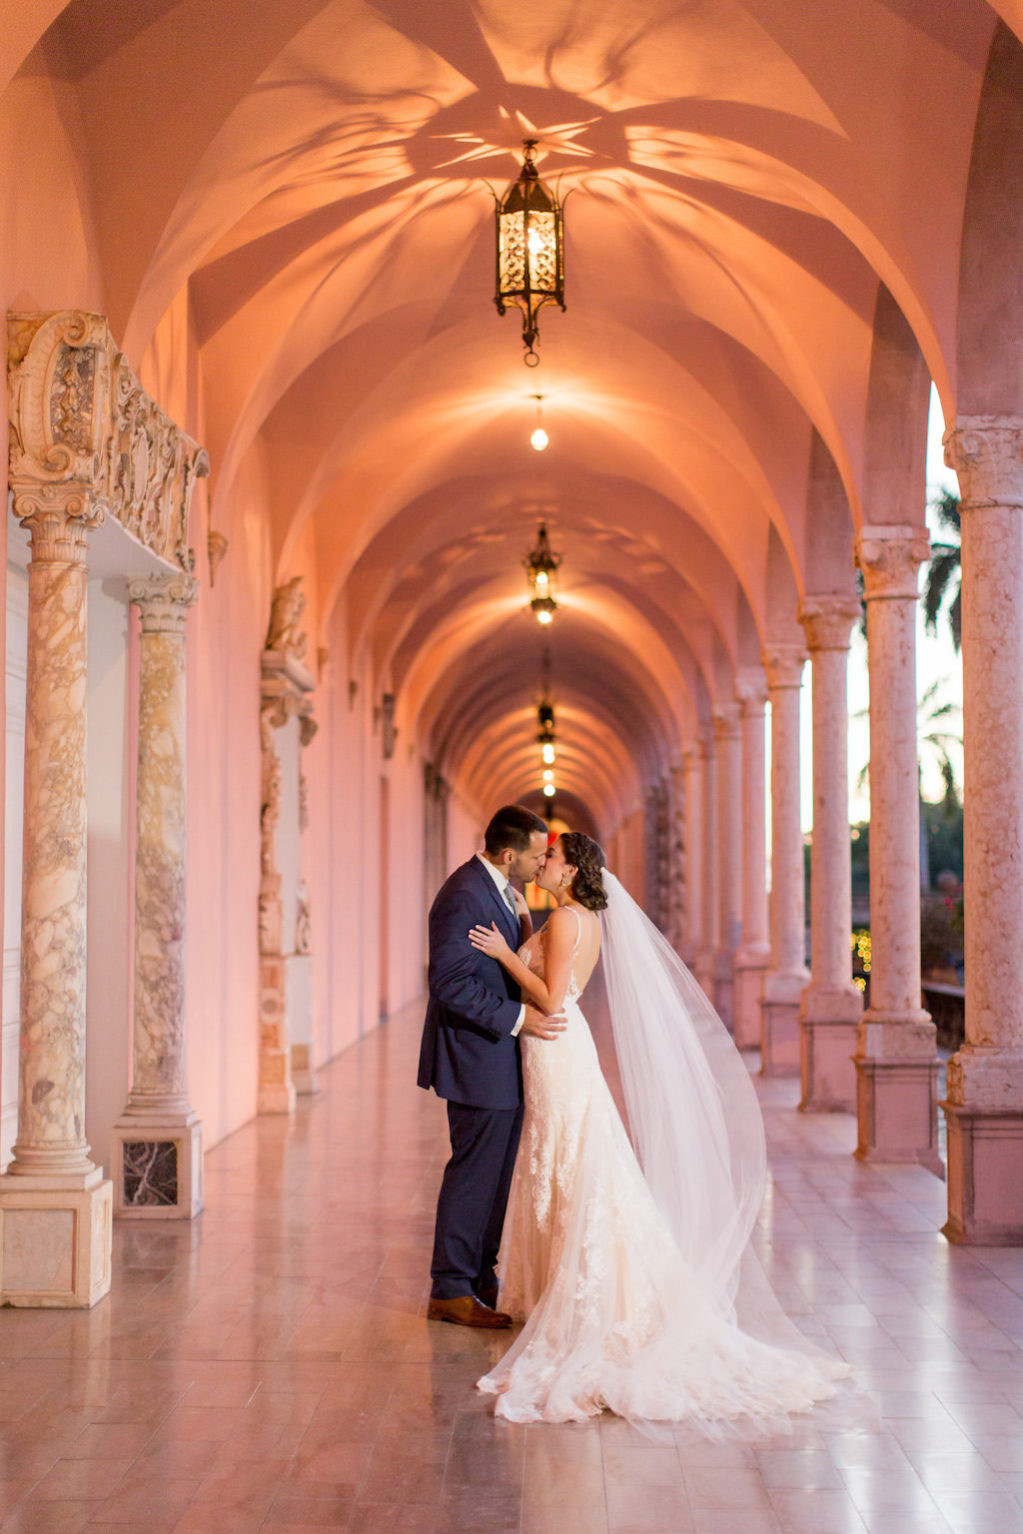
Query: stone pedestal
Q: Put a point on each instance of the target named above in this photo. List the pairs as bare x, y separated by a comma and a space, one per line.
55, 1206
895, 1055
984, 1100
156, 1145
786, 975
831, 1005
704, 967
728, 742
753, 955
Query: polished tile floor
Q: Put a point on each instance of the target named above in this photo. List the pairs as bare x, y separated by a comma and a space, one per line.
267, 1367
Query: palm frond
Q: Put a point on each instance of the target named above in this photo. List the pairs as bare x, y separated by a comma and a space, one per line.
955, 620
940, 573
946, 508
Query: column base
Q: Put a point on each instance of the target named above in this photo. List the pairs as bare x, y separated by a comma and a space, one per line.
750, 968
303, 1072
896, 1099
276, 1097
828, 1023
157, 1165
55, 1242
779, 1027
724, 987
984, 1115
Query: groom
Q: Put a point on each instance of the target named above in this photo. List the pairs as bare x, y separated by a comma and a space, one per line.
470, 1056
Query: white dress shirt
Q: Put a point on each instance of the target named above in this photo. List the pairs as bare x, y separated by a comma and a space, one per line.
503, 884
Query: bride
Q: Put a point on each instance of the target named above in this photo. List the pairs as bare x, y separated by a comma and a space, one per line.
633, 1268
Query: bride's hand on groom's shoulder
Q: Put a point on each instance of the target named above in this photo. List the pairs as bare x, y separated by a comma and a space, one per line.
489, 941
539, 1026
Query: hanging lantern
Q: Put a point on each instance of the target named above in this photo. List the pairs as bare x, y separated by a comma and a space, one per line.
530, 250
546, 736
541, 565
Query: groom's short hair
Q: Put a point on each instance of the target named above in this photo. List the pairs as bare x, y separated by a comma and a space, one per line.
512, 827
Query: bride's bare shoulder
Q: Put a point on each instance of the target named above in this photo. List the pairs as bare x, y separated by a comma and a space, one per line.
562, 924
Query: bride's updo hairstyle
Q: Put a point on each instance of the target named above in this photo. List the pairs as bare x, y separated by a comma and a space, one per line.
588, 858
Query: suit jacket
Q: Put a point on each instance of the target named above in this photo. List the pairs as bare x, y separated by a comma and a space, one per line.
468, 1054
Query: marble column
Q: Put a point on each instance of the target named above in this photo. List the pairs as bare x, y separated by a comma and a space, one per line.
895, 1055
286, 727
55, 1206
676, 856
156, 1150
984, 1103
786, 974
693, 924
728, 756
753, 956
831, 1005
704, 968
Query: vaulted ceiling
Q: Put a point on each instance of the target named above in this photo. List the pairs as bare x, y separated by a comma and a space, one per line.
302, 188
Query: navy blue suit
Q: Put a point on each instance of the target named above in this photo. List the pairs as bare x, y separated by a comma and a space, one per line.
469, 1057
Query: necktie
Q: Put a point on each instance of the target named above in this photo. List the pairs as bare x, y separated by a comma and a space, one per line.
509, 900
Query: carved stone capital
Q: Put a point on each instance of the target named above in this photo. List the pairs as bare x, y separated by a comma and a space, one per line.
890, 559
163, 601
784, 664
80, 423
751, 691
726, 721
281, 703
57, 518
828, 621
986, 452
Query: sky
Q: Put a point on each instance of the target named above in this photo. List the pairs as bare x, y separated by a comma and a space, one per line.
937, 662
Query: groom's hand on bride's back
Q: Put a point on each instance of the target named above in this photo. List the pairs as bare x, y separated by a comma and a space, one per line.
539, 1026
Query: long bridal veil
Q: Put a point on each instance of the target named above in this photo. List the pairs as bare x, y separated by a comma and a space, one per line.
694, 1120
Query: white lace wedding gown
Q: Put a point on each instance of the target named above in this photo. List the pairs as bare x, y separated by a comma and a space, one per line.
617, 1319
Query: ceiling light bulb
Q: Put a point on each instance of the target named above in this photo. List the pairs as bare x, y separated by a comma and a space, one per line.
544, 616
548, 789
548, 754
548, 776
539, 439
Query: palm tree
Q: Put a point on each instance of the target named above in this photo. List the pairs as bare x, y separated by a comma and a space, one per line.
945, 567
931, 716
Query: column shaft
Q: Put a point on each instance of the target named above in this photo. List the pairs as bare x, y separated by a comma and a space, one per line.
693, 925
786, 974
729, 845
831, 1004
704, 969
157, 1144
752, 957
676, 857
895, 1056
984, 1103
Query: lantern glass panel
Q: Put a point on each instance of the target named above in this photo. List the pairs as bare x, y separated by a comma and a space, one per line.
512, 254
542, 245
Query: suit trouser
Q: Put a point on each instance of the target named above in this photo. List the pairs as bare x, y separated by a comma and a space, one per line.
473, 1198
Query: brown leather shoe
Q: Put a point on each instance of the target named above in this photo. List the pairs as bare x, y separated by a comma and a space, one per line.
466, 1310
